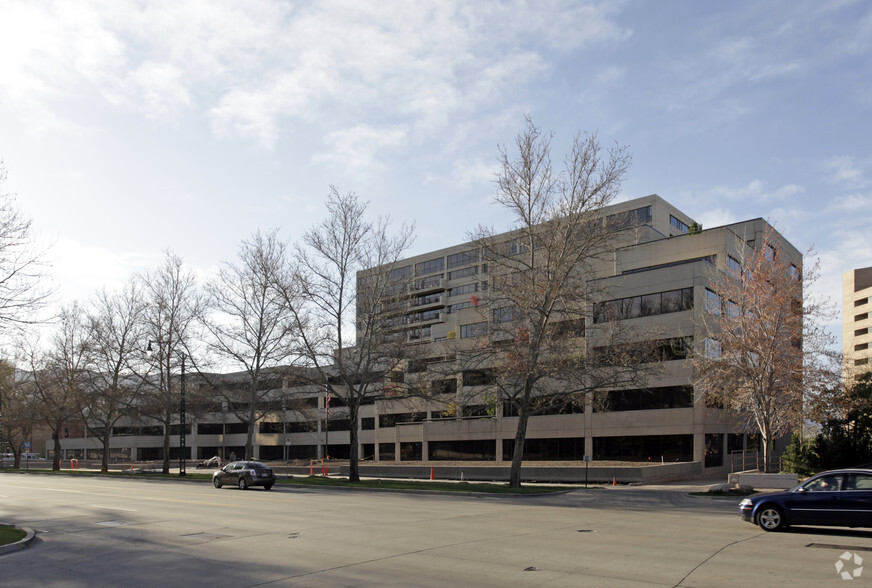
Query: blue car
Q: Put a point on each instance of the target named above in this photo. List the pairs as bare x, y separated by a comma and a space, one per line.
839, 498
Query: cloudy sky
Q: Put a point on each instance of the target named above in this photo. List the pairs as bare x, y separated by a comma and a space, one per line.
130, 127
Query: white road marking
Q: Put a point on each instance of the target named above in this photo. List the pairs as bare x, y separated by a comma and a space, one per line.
112, 508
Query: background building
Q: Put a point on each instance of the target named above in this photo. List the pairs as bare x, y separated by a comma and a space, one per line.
857, 320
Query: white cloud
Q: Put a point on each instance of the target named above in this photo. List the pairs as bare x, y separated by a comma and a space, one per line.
716, 218
859, 203
250, 67
847, 170
756, 190
357, 148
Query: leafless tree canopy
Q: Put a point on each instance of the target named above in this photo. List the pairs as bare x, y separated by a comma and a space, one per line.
115, 351
59, 374
540, 274
767, 358
23, 287
330, 307
250, 326
174, 308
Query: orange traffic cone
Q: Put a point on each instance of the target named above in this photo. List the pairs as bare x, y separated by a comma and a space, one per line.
311, 468
432, 474
614, 481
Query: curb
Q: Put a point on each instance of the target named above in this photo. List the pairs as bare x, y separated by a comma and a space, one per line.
21, 544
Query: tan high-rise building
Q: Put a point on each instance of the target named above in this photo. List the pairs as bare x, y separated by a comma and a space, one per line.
857, 320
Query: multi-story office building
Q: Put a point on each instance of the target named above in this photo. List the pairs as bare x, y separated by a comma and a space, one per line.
659, 276
857, 320
657, 280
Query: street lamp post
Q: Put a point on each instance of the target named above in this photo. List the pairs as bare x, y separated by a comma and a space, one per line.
182, 440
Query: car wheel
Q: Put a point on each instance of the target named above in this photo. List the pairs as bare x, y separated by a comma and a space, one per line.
216, 482
243, 485
770, 518
267, 486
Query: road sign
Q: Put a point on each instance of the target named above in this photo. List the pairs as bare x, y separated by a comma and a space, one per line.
27, 446
287, 440
586, 458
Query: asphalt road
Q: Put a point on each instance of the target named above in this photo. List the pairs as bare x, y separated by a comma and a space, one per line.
127, 532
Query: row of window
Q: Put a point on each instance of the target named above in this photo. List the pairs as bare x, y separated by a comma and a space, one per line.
629, 219
678, 224
644, 305
648, 448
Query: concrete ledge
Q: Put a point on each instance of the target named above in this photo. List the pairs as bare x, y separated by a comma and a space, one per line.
571, 475
18, 545
764, 481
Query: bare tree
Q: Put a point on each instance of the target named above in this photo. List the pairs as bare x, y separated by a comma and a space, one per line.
23, 288
767, 358
252, 327
330, 303
18, 414
116, 347
532, 340
59, 375
174, 307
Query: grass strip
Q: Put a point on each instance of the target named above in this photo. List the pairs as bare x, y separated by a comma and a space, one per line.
10, 534
384, 484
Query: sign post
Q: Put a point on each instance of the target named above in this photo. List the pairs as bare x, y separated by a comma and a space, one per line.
586, 464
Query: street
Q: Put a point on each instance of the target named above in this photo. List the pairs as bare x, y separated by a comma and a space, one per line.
126, 532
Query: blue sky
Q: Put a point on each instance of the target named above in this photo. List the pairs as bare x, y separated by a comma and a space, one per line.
131, 127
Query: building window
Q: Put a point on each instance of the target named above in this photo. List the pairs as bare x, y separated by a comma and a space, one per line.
734, 266
473, 330
861, 302
367, 423
860, 332
506, 314
463, 273
712, 302
478, 377
400, 273
429, 282
863, 361
428, 267
665, 397
645, 305
459, 306
769, 252
631, 218
712, 348
678, 224
465, 289
465, 258
655, 448
387, 451
861, 317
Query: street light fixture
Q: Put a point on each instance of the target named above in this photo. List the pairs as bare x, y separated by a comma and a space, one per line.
182, 440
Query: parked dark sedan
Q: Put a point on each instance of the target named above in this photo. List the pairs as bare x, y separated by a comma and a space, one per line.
840, 498
244, 474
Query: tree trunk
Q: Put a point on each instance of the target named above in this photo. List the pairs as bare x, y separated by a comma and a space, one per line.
104, 463
518, 454
166, 451
56, 437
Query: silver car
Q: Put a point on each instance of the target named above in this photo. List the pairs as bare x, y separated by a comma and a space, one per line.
244, 474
